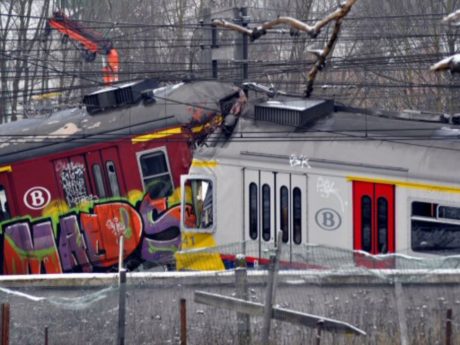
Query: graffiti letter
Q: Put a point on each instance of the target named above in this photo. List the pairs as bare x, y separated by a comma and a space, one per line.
72, 246
24, 253
162, 229
102, 230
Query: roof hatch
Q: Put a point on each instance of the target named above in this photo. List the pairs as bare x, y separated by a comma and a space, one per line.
293, 113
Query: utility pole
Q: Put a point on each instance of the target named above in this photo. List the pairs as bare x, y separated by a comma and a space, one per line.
237, 53
209, 42
241, 49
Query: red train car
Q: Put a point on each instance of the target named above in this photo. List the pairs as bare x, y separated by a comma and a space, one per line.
72, 183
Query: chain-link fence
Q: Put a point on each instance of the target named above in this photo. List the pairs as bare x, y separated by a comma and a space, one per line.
393, 299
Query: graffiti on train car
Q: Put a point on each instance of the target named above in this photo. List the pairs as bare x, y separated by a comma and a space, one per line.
86, 238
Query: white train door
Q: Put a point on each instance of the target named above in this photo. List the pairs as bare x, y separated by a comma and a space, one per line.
291, 209
259, 218
274, 201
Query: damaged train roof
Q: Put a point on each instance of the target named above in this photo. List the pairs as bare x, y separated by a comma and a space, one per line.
157, 109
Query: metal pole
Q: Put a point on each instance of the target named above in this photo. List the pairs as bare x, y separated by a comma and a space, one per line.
121, 293
183, 321
5, 324
208, 43
214, 45
244, 14
46, 335
270, 294
449, 327
121, 245
243, 321
121, 306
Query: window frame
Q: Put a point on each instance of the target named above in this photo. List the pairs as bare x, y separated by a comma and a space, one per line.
367, 217
284, 216
212, 180
436, 219
5, 205
253, 235
113, 177
139, 155
266, 207
296, 221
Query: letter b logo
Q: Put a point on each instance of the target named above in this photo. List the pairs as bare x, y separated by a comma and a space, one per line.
37, 198
328, 219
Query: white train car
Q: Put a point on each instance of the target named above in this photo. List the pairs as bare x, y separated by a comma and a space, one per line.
339, 178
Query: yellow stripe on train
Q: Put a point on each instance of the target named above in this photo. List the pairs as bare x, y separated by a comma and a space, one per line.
156, 135
196, 163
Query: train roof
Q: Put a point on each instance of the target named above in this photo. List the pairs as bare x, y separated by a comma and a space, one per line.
349, 139
158, 108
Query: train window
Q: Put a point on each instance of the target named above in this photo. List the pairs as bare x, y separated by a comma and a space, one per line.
382, 225
449, 212
4, 208
424, 209
100, 189
113, 179
266, 226
284, 213
198, 196
297, 215
253, 206
155, 174
435, 228
366, 223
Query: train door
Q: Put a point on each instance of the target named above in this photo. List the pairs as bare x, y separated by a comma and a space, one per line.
275, 201
374, 217
291, 208
106, 175
113, 171
259, 212
73, 180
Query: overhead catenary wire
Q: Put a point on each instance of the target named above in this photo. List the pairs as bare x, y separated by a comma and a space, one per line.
335, 64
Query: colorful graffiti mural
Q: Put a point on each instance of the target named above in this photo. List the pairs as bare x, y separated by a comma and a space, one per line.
86, 238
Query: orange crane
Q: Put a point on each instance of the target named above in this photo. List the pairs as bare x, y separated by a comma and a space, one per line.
92, 43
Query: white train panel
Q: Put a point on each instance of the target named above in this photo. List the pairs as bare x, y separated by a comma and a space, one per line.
330, 208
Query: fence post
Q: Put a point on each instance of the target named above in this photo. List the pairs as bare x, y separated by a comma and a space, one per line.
241, 280
399, 294
46, 335
319, 328
5, 324
271, 288
183, 321
449, 327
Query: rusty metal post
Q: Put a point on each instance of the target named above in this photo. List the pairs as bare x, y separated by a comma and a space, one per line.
46, 335
5, 324
319, 328
449, 327
183, 322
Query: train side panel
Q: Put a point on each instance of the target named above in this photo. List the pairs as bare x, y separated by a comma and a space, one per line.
64, 212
